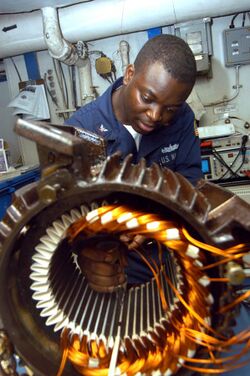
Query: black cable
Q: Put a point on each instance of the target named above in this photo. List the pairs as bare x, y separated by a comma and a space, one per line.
107, 77
110, 78
19, 76
242, 150
231, 26
221, 160
73, 74
64, 84
234, 161
243, 19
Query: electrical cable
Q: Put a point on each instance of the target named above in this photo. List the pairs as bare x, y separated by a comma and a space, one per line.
243, 19
183, 333
221, 160
71, 95
64, 84
231, 26
241, 150
237, 86
234, 161
107, 77
73, 76
17, 71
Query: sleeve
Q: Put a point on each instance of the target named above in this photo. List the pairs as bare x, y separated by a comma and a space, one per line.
188, 159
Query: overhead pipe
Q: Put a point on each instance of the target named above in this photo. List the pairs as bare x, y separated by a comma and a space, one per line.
104, 18
66, 52
58, 47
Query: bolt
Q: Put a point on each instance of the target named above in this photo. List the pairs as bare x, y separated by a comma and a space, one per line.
48, 194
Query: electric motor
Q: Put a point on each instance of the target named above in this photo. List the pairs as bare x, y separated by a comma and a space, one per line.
66, 240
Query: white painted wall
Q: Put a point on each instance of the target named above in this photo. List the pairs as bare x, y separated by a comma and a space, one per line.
209, 90
212, 90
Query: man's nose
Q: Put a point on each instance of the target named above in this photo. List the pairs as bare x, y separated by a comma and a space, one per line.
154, 113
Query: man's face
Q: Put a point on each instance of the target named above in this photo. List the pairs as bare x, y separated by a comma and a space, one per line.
151, 97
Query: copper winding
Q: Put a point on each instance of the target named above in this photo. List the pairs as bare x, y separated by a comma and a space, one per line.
181, 333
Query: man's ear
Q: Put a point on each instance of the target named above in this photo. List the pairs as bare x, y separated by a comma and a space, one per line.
129, 73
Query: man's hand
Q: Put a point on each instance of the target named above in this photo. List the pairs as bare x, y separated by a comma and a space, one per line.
132, 241
102, 260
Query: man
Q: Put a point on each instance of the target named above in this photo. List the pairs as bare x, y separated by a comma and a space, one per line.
144, 113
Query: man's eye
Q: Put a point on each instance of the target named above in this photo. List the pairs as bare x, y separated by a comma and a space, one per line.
170, 109
146, 99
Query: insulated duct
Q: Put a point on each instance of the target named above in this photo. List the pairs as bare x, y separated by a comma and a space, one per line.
66, 52
105, 18
58, 47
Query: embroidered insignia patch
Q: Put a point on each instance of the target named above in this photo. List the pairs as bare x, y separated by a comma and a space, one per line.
103, 129
170, 148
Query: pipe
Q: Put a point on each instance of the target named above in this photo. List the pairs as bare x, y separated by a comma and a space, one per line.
124, 52
87, 93
104, 18
58, 47
67, 53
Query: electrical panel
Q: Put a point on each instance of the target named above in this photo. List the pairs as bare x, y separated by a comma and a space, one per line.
197, 34
237, 46
226, 158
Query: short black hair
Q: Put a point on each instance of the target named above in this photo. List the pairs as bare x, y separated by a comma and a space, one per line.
173, 52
